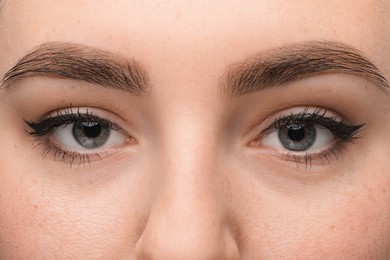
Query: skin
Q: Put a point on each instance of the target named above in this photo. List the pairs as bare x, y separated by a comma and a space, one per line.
189, 184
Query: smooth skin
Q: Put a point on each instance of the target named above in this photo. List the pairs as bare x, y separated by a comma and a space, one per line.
190, 184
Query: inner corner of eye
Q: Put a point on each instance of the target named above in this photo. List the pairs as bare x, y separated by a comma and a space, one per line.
263, 140
255, 143
131, 140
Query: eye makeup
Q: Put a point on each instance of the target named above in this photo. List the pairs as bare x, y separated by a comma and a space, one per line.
77, 135
307, 135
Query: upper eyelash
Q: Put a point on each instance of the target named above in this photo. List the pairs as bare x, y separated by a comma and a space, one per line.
64, 117
339, 128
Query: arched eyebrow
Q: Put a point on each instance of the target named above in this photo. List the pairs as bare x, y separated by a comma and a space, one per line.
281, 66
80, 62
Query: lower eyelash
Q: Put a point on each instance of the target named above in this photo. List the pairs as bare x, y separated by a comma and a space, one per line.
46, 148
326, 156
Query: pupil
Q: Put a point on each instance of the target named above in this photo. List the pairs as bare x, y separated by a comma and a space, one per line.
91, 129
296, 133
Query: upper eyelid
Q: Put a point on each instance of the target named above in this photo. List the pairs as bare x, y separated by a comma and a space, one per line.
300, 112
68, 116
92, 112
310, 117
130, 124
338, 126
68, 119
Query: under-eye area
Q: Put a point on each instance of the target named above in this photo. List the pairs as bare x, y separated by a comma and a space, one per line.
77, 135
307, 135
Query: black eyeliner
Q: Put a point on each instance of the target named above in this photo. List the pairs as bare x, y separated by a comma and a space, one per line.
339, 128
65, 117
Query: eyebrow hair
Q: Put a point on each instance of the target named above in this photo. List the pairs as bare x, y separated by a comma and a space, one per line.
79, 62
298, 61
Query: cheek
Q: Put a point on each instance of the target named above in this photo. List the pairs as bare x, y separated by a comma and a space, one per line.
43, 220
352, 225
345, 219
348, 227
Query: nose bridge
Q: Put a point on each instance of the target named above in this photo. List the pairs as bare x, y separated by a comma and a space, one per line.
187, 217
189, 150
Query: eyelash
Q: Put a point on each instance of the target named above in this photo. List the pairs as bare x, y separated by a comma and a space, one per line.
42, 129
345, 132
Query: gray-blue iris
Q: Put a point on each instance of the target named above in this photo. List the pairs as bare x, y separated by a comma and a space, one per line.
297, 137
90, 134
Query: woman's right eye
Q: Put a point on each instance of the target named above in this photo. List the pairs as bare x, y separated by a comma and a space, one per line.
88, 135
74, 134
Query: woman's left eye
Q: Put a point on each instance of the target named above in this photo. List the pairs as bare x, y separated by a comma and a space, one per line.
300, 137
308, 134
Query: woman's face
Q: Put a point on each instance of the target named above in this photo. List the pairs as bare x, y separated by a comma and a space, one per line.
194, 129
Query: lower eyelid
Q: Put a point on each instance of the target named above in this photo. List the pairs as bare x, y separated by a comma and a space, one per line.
56, 152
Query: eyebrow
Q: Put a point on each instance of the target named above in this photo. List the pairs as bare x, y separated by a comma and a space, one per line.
80, 62
281, 66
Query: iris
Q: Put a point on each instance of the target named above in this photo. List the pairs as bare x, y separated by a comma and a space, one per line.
90, 134
297, 137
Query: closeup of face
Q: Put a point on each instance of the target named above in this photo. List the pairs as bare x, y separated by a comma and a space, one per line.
194, 129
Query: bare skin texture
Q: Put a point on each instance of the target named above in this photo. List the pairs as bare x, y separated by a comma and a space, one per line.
192, 173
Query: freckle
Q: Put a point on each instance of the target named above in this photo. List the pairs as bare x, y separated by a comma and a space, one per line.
15, 146
384, 190
332, 227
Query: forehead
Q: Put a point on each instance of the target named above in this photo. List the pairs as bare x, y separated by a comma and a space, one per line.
194, 33
199, 16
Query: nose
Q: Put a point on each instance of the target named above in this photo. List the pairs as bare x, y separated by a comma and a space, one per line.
187, 220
